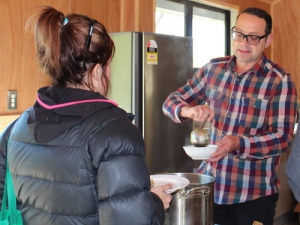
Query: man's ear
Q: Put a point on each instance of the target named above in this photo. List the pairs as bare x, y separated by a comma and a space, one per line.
97, 72
269, 40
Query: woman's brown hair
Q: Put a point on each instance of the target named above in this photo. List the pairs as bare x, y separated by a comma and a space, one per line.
63, 50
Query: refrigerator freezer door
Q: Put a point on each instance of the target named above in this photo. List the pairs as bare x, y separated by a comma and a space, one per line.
121, 71
126, 74
146, 68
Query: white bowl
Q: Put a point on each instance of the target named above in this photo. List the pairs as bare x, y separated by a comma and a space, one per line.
200, 153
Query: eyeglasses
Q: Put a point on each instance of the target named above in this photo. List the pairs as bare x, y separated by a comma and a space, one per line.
251, 39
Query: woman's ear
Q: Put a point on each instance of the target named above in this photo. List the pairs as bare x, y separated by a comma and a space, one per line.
97, 72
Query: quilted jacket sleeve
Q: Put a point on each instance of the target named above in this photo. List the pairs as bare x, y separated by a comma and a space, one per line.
123, 181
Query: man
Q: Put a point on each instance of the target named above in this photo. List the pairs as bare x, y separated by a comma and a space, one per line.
252, 103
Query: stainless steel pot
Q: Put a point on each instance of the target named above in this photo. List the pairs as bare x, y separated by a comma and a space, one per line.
192, 205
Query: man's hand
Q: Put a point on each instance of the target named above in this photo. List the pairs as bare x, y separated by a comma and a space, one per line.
199, 113
226, 145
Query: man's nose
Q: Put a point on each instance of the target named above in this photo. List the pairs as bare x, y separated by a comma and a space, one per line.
245, 40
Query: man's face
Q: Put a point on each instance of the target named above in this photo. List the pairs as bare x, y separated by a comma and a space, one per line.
250, 25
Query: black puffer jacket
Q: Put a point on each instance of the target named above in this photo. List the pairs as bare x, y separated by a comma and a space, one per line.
79, 164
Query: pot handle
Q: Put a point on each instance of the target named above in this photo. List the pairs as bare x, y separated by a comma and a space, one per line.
197, 191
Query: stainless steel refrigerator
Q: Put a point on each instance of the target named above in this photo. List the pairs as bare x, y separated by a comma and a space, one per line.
146, 68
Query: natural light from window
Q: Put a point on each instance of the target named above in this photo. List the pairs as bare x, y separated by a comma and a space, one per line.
169, 22
208, 39
208, 33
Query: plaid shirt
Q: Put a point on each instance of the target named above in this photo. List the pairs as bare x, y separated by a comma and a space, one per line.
259, 106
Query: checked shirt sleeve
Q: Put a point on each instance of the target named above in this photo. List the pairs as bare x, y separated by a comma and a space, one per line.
192, 93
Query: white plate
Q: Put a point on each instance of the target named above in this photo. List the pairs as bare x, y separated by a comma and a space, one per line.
200, 153
177, 181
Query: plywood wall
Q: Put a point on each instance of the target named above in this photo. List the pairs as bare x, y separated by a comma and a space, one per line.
286, 45
18, 66
19, 69
286, 51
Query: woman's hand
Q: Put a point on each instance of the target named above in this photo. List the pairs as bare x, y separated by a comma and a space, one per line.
160, 191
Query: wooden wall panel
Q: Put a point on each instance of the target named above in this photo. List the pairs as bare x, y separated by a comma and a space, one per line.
285, 49
128, 15
243, 4
147, 20
106, 12
286, 45
18, 66
137, 15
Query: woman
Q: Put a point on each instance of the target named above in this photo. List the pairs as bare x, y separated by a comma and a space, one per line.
75, 157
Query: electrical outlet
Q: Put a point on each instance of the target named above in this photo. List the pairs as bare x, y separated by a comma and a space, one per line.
12, 100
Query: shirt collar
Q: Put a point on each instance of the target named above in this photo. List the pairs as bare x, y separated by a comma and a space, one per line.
256, 69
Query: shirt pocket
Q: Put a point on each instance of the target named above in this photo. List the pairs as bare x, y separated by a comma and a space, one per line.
252, 112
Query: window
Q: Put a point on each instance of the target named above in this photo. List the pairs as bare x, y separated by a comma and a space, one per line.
209, 26
169, 18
